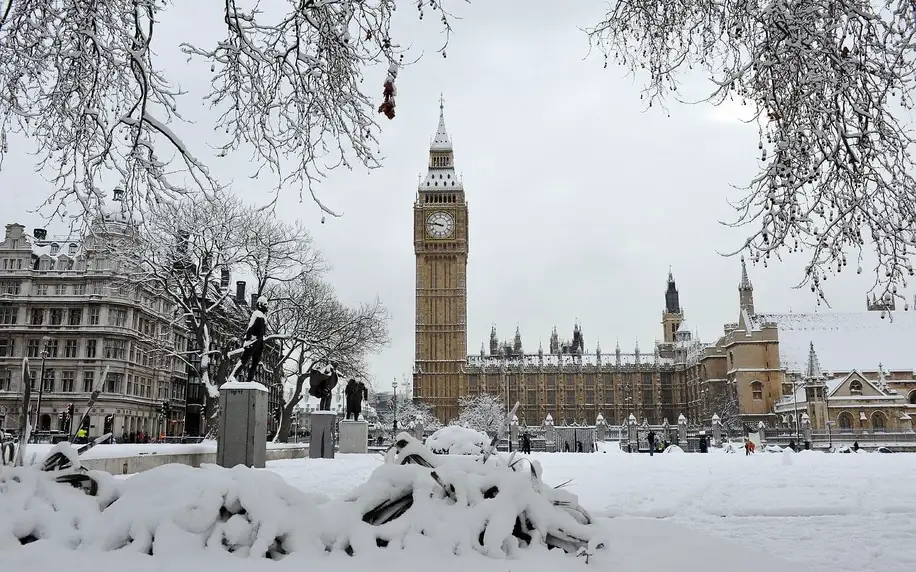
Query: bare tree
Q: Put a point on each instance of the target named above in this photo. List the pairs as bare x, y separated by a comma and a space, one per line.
484, 412
722, 400
310, 326
410, 410
83, 83
828, 83
182, 253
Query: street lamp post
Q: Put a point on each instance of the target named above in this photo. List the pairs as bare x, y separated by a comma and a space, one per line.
829, 435
795, 398
394, 389
41, 384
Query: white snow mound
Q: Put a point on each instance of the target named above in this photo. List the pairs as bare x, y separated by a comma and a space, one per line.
453, 504
457, 440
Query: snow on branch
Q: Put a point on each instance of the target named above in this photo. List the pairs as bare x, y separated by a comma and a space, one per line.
830, 85
82, 83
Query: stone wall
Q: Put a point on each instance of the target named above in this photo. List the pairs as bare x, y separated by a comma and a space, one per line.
140, 463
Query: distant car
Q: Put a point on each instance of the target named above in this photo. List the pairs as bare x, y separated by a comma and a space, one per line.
883, 450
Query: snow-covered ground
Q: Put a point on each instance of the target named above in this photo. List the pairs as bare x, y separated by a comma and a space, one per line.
690, 512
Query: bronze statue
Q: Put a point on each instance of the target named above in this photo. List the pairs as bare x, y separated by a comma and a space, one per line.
321, 383
254, 339
355, 391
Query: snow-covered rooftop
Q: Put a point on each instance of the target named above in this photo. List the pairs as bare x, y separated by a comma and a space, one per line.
845, 341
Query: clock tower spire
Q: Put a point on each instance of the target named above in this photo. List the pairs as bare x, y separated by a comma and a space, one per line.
441, 248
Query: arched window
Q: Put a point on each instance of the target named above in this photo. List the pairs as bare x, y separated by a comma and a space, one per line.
855, 387
845, 421
911, 398
757, 390
878, 421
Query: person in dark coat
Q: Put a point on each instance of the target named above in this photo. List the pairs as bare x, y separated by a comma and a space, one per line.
651, 439
526, 444
254, 339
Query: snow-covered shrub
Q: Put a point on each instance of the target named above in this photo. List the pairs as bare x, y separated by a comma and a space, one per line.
456, 503
456, 440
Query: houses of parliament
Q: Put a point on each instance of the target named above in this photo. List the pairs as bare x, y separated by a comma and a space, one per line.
568, 381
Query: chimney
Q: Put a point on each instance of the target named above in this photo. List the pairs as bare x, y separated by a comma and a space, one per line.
254, 301
224, 279
40, 234
240, 291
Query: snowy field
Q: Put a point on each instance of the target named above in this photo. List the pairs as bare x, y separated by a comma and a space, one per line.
693, 513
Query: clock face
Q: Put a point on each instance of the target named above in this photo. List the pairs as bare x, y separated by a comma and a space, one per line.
440, 225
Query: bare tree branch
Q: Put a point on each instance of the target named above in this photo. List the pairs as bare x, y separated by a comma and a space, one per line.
829, 83
80, 80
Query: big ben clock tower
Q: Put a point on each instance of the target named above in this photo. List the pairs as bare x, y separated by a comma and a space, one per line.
440, 237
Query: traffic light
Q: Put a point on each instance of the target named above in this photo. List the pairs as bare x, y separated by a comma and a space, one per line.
69, 410
164, 409
109, 424
277, 414
60, 416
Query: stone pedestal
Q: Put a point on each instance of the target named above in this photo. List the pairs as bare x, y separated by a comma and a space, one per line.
321, 443
354, 437
242, 425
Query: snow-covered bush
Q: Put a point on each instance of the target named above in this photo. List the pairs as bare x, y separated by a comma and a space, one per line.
673, 449
455, 440
458, 504
484, 412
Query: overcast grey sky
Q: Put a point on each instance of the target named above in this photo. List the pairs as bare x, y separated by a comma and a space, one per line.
579, 201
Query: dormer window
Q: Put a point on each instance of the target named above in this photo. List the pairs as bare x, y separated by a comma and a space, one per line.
71, 249
855, 387
55, 248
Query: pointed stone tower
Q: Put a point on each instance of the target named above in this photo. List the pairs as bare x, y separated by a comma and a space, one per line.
440, 238
672, 316
746, 290
815, 391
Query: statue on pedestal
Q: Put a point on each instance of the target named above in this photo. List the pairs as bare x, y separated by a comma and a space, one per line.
321, 384
355, 391
253, 343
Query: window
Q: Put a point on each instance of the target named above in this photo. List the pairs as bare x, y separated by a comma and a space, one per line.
878, 421
130, 384
60, 289
88, 381
41, 289
117, 317
55, 248
76, 317
113, 382
757, 390
71, 249
34, 348
10, 287
7, 345
6, 383
115, 349
79, 289
8, 314
38, 316
67, 381
51, 347
48, 380
855, 387
94, 315
845, 421
91, 347
57, 316
70, 348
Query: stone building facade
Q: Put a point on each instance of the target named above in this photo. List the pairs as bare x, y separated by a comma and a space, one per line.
61, 308
569, 382
61, 299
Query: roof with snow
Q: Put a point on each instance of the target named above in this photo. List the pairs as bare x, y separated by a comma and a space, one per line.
555, 360
845, 342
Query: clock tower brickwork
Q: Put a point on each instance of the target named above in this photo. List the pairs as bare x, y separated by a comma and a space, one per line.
441, 248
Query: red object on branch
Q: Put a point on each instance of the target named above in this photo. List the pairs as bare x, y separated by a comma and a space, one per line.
389, 91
